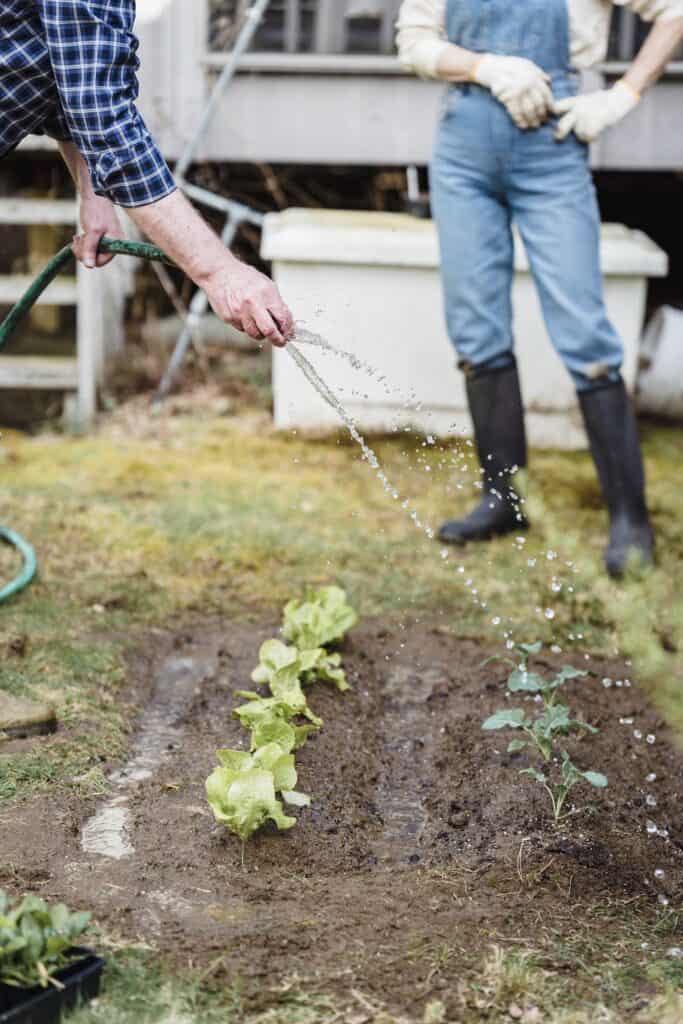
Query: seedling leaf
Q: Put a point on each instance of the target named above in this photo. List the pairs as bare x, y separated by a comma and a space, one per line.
521, 681
596, 779
512, 718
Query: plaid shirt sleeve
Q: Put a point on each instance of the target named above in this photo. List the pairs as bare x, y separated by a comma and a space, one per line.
93, 54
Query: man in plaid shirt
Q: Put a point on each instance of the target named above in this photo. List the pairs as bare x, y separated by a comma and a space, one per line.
68, 68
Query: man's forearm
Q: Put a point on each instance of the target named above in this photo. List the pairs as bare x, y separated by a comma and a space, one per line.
78, 169
239, 294
175, 226
655, 54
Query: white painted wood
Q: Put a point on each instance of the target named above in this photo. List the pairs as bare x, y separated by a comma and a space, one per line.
370, 284
311, 63
62, 291
173, 84
46, 373
99, 297
38, 211
89, 343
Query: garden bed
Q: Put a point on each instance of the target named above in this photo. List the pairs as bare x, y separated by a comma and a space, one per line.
421, 834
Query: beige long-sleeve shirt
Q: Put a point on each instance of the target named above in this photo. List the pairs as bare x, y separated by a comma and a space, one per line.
422, 29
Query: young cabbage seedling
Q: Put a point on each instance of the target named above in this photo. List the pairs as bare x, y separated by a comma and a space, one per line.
541, 732
570, 778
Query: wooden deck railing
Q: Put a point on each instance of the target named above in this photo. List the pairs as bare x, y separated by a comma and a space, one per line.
356, 27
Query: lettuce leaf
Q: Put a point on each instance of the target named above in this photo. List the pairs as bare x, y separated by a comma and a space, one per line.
243, 801
290, 737
325, 668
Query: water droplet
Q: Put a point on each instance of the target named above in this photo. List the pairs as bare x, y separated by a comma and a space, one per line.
652, 777
663, 900
650, 827
675, 952
625, 721
495, 621
663, 833
445, 553
650, 739
556, 649
619, 683
651, 800
607, 683
531, 563
659, 874
637, 734
549, 613
551, 556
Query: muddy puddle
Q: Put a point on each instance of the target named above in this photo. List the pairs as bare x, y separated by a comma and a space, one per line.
107, 832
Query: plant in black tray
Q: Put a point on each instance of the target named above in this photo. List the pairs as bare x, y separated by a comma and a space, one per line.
42, 968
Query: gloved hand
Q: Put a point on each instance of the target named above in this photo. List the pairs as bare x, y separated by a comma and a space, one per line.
588, 116
520, 85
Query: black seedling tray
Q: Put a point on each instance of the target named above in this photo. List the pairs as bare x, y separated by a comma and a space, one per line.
81, 981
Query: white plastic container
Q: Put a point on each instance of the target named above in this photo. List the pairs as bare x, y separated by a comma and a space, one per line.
369, 283
660, 386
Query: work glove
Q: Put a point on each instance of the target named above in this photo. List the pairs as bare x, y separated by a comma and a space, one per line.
589, 115
520, 85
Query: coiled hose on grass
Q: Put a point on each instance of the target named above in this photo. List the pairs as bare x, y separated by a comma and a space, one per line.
116, 247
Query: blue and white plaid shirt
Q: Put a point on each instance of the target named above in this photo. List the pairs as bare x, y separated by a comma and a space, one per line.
68, 68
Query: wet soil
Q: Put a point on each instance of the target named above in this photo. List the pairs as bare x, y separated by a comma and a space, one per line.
421, 836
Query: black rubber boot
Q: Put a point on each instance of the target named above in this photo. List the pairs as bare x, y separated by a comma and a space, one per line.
495, 402
613, 435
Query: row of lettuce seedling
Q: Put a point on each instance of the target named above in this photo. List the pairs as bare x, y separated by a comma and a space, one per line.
249, 788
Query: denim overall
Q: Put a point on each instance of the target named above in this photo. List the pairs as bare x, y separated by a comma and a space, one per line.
487, 174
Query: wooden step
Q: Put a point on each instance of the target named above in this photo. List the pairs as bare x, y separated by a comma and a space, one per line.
38, 211
39, 373
62, 292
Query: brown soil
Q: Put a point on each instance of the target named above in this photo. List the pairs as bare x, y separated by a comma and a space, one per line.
421, 835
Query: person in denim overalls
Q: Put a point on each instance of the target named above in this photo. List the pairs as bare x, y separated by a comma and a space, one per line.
500, 157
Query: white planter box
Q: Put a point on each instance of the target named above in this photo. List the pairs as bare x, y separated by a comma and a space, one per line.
369, 283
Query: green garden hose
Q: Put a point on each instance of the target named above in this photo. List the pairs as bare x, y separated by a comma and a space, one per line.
115, 247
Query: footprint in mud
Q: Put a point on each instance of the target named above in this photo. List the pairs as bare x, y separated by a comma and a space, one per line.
408, 742
107, 832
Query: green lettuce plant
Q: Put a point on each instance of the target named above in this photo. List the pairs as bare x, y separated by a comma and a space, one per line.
36, 939
323, 618
571, 776
243, 790
278, 662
